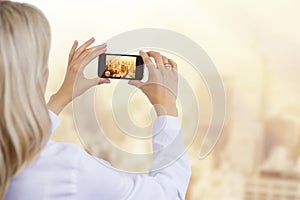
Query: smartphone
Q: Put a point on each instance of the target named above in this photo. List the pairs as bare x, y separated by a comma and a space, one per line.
120, 66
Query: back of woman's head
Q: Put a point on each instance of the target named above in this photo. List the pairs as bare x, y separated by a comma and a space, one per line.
24, 119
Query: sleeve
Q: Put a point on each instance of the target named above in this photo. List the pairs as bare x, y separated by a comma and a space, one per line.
168, 176
55, 120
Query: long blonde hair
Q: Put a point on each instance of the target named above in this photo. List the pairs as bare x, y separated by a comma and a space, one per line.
24, 119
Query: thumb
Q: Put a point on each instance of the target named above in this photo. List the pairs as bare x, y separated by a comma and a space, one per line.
98, 81
136, 83
103, 80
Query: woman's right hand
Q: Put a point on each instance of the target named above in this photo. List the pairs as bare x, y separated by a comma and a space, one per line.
162, 85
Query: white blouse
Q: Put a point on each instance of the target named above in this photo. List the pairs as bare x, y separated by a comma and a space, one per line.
65, 171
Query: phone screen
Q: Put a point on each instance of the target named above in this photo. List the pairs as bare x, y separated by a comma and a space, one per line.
120, 66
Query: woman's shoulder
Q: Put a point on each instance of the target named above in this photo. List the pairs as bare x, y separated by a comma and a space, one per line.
61, 149
66, 154
57, 155
55, 167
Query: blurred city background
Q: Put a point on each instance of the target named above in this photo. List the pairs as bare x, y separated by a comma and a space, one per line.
255, 46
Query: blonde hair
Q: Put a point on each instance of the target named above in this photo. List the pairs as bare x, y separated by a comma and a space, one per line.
24, 120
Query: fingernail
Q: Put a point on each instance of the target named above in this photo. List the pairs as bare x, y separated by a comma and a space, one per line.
93, 38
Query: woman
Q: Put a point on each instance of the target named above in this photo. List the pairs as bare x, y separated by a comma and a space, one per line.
34, 167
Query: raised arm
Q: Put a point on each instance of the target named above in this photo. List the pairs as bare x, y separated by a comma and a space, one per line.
170, 171
79, 58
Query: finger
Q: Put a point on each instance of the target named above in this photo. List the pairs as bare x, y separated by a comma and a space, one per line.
167, 64
174, 65
136, 83
148, 62
165, 59
158, 59
84, 46
91, 54
72, 51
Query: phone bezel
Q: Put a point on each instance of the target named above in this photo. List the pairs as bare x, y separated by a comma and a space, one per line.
139, 71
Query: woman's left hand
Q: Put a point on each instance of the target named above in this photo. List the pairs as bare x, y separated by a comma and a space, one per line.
79, 58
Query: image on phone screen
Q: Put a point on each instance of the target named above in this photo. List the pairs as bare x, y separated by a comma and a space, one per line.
120, 66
